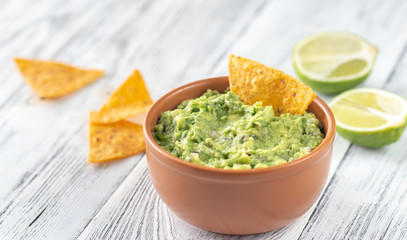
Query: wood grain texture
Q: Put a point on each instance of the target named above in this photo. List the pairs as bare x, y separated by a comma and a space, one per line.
377, 21
270, 39
47, 190
136, 212
367, 198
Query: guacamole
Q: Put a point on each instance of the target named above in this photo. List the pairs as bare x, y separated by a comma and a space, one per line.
218, 130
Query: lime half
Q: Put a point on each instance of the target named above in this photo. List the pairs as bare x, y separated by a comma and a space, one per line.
333, 62
370, 117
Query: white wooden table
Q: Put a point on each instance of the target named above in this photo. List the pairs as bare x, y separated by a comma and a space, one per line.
49, 191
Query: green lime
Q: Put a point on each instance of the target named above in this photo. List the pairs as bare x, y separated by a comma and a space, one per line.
334, 61
370, 117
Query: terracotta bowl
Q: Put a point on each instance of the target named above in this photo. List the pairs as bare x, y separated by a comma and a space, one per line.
236, 201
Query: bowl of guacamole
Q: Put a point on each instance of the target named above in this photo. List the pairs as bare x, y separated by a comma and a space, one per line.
233, 168
218, 130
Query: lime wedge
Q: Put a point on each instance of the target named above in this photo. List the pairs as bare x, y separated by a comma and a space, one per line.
333, 62
370, 117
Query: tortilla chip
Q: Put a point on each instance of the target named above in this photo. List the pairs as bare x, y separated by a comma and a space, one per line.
112, 141
254, 81
129, 100
138, 119
53, 79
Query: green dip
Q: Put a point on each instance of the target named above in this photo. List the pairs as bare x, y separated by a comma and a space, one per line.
218, 130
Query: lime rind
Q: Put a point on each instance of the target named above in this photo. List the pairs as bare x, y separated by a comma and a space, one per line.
392, 120
331, 87
322, 82
374, 137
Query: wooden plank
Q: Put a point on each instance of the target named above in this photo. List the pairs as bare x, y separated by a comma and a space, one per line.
367, 195
47, 190
136, 212
37, 127
390, 52
353, 18
270, 40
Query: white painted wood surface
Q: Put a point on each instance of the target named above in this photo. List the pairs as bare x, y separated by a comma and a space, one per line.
48, 191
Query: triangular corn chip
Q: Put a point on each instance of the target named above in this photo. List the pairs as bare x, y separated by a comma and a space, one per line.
52, 79
254, 81
111, 141
129, 100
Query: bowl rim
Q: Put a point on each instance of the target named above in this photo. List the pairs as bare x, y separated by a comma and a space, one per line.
328, 139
